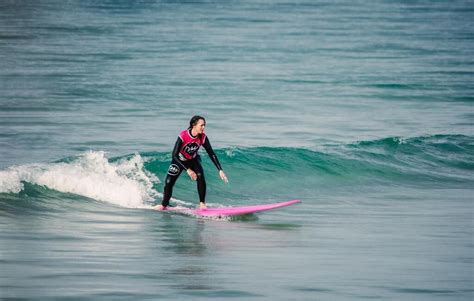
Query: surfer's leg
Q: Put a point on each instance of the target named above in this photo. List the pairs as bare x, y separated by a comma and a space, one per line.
168, 190
173, 174
201, 182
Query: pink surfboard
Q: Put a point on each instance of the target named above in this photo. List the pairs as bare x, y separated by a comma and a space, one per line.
229, 211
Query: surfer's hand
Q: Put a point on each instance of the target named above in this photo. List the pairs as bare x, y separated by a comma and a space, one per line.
192, 174
223, 176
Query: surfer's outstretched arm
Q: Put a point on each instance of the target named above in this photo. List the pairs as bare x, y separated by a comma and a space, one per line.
215, 160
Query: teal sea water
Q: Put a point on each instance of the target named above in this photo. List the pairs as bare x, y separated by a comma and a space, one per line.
361, 109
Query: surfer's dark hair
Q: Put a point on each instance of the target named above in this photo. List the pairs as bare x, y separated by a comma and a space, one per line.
195, 120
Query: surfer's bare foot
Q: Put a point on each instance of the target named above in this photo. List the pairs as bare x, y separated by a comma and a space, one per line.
159, 207
202, 205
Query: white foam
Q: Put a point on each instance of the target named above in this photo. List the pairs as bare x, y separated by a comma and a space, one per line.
124, 183
10, 182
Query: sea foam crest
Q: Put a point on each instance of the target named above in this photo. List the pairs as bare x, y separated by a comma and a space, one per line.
124, 183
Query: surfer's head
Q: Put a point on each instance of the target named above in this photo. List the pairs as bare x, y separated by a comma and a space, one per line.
197, 123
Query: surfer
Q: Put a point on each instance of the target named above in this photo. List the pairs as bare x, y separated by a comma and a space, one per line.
186, 157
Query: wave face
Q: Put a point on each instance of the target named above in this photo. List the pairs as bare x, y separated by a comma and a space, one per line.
261, 173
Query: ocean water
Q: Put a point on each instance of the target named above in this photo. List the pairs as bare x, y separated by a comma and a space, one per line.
361, 109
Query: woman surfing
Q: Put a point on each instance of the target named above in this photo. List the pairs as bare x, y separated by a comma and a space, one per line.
186, 157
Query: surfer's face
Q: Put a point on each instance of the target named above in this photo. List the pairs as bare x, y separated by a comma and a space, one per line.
199, 127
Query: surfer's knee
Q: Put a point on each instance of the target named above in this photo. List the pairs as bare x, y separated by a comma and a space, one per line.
169, 181
200, 174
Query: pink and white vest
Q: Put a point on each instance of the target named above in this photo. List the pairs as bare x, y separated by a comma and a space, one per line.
191, 145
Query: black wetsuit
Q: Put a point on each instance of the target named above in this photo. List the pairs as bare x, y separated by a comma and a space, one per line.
179, 163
